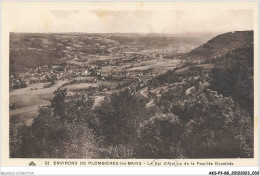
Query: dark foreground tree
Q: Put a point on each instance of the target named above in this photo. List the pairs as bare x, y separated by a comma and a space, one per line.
72, 108
160, 137
50, 137
217, 127
119, 118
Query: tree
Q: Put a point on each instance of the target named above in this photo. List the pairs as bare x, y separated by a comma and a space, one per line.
160, 137
50, 137
216, 127
58, 102
72, 108
119, 117
233, 77
79, 108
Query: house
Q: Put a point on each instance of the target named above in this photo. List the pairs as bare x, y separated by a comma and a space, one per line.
85, 72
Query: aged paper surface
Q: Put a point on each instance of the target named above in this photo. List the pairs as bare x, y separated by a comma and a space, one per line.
129, 84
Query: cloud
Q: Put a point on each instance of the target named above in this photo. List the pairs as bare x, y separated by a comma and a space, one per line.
102, 21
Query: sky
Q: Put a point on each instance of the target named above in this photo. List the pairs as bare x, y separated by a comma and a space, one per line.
132, 21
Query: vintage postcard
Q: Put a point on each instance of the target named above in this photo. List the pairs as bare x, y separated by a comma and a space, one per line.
129, 84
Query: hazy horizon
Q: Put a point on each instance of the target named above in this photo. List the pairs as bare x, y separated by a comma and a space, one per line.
144, 22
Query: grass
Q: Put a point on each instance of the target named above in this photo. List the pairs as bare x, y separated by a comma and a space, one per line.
80, 86
26, 103
158, 65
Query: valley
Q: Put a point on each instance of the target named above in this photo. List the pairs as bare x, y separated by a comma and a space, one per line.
114, 90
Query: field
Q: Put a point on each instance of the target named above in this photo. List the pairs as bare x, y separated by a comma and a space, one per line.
24, 103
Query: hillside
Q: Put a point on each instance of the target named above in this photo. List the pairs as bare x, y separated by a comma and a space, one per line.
32, 50
221, 45
233, 76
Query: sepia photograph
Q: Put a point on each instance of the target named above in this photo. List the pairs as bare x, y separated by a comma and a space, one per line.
131, 83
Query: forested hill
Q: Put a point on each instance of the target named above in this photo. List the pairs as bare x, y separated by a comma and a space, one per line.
233, 76
221, 45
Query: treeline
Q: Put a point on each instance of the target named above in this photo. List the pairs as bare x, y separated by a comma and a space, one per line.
207, 126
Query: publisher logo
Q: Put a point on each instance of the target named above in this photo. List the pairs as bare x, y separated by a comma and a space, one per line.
32, 164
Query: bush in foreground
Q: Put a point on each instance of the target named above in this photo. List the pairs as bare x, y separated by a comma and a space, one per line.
160, 137
50, 137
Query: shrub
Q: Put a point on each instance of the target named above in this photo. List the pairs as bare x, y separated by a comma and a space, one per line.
49, 137
160, 137
72, 108
116, 152
216, 127
119, 117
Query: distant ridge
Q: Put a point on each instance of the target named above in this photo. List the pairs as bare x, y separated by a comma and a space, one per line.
221, 45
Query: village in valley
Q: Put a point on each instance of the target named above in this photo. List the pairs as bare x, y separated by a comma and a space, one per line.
90, 64
110, 65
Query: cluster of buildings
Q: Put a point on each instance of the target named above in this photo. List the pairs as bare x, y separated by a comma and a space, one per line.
57, 71
43, 73
47, 73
